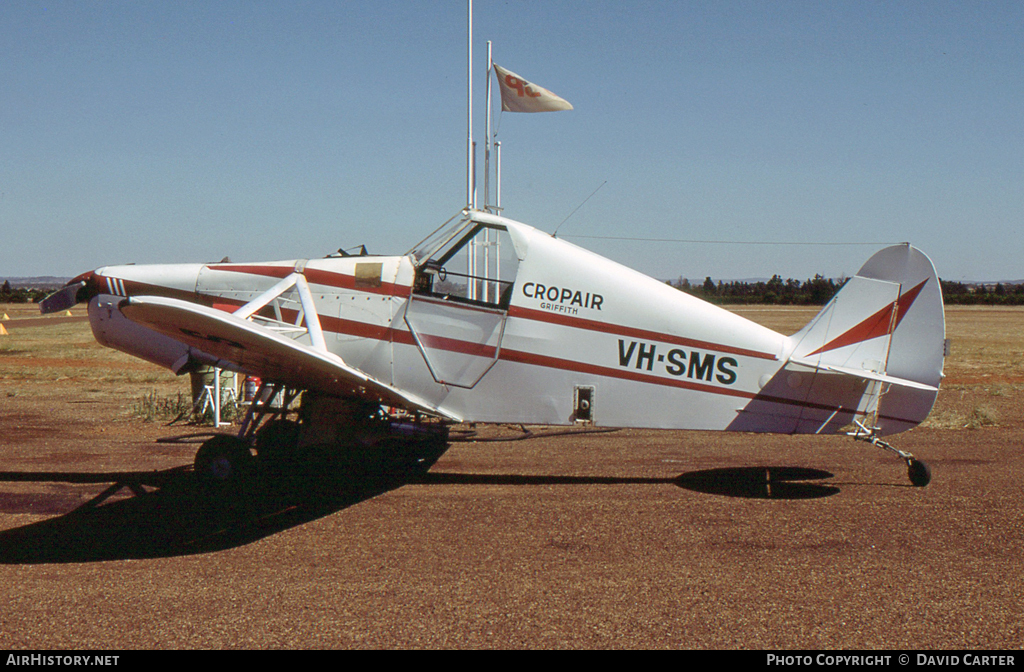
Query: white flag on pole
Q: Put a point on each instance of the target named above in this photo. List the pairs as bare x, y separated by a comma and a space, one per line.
519, 95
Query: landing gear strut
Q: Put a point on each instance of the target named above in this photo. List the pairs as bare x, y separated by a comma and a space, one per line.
917, 471
332, 440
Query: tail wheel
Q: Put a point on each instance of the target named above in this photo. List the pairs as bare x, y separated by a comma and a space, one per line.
919, 473
223, 459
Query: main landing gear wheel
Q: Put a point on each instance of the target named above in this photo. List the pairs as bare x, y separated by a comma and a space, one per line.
919, 473
223, 460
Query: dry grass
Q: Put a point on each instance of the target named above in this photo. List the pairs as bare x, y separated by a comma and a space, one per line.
17, 311
987, 347
33, 357
783, 319
960, 418
152, 407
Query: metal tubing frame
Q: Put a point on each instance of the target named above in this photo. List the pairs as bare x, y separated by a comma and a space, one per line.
309, 314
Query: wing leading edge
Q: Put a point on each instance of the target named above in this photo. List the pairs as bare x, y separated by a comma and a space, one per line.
250, 348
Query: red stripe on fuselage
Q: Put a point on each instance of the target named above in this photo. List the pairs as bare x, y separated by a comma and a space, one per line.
631, 332
318, 277
521, 357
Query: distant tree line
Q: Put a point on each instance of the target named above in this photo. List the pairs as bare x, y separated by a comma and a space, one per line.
818, 291
813, 292
10, 294
998, 294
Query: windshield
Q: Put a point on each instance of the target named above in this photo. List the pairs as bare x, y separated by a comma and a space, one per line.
441, 236
477, 265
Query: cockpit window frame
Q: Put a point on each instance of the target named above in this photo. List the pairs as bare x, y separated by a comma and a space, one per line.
459, 239
426, 248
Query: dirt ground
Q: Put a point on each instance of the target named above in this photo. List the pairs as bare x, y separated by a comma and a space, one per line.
631, 539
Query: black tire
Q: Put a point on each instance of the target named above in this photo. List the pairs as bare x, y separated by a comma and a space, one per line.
919, 473
223, 460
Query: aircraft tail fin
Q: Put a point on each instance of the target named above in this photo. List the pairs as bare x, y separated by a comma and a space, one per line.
886, 326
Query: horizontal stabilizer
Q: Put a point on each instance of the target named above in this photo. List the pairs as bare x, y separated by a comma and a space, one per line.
243, 346
863, 373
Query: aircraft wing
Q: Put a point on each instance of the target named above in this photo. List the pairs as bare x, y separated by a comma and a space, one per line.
250, 348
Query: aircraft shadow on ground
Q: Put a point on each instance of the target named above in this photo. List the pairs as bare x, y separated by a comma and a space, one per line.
185, 516
759, 482
174, 513
746, 482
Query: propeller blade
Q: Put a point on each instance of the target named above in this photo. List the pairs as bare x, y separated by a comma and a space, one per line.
62, 299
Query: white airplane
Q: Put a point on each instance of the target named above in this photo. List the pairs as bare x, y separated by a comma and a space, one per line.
492, 321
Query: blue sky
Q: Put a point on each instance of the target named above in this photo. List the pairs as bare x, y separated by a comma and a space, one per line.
181, 131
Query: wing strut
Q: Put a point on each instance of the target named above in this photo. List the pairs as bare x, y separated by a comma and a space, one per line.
310, 316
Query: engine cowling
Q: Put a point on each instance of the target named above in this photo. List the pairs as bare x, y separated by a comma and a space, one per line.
116, 331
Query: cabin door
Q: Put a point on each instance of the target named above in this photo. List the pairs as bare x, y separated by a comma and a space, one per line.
459, 305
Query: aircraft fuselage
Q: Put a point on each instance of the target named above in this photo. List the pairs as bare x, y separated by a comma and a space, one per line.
499, 322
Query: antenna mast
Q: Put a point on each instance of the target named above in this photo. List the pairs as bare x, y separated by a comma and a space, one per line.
487, 139
470, 167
